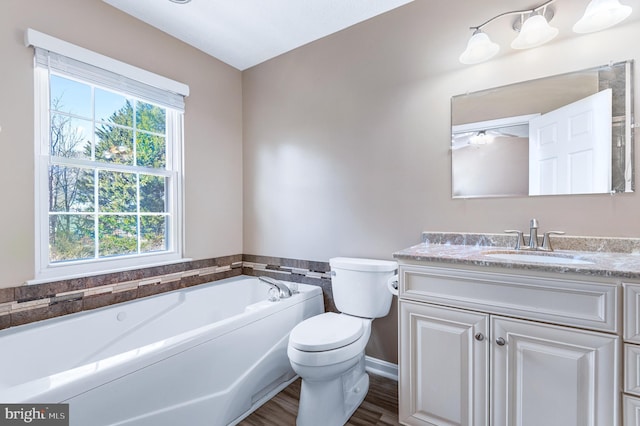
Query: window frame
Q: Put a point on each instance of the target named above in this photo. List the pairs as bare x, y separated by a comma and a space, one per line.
46, 271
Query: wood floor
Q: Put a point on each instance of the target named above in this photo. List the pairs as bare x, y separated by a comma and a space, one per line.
379, 408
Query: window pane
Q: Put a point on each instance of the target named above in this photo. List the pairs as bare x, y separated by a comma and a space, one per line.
150, 117
118, 235
113, 107
114, 144
150, 151
71, 237
71, 189
152, 194
153, 233
117, 192
70, 96
70, 137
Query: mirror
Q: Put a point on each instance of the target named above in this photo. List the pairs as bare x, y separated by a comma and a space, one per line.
564, 134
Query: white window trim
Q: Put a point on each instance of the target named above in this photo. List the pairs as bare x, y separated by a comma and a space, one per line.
44, 271
44, 41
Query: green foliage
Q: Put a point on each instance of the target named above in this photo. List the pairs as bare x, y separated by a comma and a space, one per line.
72, 189
71, 237
118, 235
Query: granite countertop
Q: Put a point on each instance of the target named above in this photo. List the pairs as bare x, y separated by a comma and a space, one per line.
607, 257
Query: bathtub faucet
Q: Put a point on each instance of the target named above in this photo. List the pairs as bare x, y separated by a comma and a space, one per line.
281, 287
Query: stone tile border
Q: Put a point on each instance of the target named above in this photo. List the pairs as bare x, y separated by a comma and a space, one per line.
29, 303
294, 270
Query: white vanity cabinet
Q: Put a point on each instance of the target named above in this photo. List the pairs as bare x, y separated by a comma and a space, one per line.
496, 349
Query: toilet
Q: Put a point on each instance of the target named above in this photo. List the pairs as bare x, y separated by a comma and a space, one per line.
327, 350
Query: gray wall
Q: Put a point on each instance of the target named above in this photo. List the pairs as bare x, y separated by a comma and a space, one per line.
346, 140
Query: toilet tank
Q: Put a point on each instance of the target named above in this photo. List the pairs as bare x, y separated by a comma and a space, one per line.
360, 285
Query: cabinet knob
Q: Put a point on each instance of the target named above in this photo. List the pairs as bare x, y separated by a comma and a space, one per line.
479, 337
500, 341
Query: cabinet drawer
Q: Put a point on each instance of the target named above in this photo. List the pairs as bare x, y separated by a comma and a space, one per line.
632, 369
631, 409
631, 312
571, 302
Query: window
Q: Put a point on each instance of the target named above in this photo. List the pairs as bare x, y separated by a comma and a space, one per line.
108, 169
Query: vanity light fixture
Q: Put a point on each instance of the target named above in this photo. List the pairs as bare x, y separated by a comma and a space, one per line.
535, 29
533, 32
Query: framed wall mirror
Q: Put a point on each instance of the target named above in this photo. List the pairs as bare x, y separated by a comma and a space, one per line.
565, 134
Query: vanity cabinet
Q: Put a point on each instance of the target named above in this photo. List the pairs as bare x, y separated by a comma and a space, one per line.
491, 348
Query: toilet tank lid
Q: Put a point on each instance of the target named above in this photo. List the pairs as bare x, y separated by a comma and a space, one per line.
357, 264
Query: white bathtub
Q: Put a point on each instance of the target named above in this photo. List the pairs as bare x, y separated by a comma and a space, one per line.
207, 355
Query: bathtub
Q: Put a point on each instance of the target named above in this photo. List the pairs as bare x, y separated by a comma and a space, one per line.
207, 355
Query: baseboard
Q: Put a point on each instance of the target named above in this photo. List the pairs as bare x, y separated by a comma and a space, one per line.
381, 368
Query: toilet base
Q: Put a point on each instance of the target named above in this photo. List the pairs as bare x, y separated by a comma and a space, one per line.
332, 402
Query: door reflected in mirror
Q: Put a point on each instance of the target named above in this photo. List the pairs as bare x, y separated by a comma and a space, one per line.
565, 134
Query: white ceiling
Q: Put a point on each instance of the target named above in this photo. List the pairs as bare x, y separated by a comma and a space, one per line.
244, 33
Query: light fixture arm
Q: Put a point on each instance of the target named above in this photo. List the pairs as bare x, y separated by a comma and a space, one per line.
514, 12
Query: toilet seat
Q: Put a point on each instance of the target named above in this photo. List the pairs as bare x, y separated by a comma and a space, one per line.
326, 332
318, 358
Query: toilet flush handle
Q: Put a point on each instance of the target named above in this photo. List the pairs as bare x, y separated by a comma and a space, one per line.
392, 285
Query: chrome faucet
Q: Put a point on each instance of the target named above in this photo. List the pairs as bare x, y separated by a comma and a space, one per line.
283, 290
533, 238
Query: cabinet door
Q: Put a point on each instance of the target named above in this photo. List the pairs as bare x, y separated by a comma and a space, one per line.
443, 366
631, 313
553, 376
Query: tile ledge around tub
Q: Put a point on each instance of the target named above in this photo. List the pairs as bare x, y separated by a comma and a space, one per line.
559, 242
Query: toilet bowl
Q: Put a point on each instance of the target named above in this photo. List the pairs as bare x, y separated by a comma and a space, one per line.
334, 382
328, 351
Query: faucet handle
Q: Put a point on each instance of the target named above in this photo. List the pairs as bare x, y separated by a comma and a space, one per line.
546, 240
520, 239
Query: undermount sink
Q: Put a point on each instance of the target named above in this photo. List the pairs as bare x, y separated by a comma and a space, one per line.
537, 257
